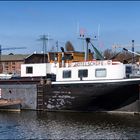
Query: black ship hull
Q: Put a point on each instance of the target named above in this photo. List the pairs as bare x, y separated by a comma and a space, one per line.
107, 96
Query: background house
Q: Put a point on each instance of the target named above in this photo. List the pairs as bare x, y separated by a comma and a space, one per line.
51, 56
11, 63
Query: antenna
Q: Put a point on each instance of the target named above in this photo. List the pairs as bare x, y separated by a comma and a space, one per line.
82, 36
77, 30
98, 35
98, 31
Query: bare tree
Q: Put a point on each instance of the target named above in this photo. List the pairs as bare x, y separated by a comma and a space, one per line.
108, 54
69, 46
124, 57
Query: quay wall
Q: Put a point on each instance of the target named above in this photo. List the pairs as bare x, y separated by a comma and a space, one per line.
27, 93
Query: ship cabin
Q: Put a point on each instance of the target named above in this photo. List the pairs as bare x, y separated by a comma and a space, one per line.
91, 70
71, 66
39, 65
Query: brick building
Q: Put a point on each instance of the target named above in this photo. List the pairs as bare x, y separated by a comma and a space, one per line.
12, 63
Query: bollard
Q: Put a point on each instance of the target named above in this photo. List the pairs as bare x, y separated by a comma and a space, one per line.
48, 81
42, 81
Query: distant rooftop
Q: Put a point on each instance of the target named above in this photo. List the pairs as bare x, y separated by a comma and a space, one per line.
14, 57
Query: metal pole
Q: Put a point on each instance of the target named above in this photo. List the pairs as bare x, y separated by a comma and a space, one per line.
0, 53
44, 46
57, 45
86, 50
0, 60
133, 61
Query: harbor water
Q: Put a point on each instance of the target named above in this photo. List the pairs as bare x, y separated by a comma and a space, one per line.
58, 125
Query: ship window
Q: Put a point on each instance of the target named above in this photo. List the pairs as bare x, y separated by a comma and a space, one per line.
29, 69
128, 69
100, 72
83, 73
66, 74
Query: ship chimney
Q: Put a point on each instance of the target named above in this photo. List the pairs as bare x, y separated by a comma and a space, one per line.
63, 59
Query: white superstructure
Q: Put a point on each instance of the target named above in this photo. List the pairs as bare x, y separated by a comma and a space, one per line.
91, 70
75, 71
35, 70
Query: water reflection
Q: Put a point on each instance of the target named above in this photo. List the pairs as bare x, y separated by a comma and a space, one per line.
56, 125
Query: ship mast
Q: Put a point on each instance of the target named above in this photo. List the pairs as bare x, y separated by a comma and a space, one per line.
133, 55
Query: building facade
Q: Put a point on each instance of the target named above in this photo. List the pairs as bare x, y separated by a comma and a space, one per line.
11, 64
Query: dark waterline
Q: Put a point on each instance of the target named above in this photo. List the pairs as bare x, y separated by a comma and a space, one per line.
56, 125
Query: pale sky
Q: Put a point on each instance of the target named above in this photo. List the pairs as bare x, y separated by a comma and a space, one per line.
22, 23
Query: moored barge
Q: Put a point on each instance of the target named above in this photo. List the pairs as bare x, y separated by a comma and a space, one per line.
87, 85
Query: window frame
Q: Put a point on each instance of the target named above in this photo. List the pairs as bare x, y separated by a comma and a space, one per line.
81, 73
29, 70
66, 74
100, 75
